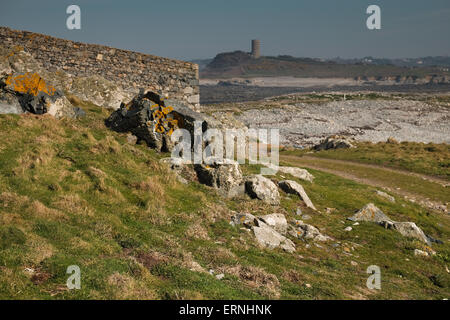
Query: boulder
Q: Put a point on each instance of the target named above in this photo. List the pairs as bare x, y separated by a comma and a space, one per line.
421, 253
408, 229
297, 172
142, 118
277, 221
7, 108
370, 213
262, 188
293, 187
411, 230
29, 92
267, 229
225, 176
153, 120
299, 229
246, 219
334, 142
269, 238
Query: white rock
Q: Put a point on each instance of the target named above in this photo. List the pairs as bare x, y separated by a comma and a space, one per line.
421, 253
293, 187
262, 188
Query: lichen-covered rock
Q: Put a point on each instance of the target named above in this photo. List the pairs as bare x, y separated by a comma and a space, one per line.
334, 142
153, 120
370, 213
145, 117
31, 92
246, 219
262, 188
293, 187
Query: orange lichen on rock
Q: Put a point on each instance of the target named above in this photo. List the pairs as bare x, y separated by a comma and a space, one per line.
164, 124
30, 83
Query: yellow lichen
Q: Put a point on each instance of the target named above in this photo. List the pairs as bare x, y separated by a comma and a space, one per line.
30, 83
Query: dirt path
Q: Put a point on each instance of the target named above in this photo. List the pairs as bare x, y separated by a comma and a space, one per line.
437, 180
426, 190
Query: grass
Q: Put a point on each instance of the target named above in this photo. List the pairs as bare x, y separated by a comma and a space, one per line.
73, 192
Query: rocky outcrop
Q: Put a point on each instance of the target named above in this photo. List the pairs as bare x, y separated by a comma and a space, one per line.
334, 142
293, 187
262, 188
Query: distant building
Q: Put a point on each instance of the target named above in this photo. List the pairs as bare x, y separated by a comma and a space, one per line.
256, 49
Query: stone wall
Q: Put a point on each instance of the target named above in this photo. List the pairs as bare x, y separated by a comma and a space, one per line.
177, 79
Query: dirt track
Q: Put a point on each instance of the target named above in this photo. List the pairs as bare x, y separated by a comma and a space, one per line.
377, 176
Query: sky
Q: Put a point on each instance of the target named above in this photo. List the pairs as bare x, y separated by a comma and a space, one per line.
198, 29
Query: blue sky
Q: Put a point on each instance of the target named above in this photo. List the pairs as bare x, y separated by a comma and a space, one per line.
201, 28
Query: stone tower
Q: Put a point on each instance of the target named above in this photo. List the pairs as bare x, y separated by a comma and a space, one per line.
256, 46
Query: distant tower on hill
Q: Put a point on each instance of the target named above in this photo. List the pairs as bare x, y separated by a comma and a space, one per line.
256, 47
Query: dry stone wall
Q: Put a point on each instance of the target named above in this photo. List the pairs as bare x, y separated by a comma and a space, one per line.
176, 79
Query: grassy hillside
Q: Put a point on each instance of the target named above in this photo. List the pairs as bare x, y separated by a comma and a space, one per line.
73, 192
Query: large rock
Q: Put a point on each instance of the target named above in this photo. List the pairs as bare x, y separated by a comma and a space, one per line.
277, 221
370, 213
408, 229
225, 176
153, 120
299, 229
293, 187
262, 188
246, 219
296, 172
29, 92
334, 142
411, 230
269, 238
